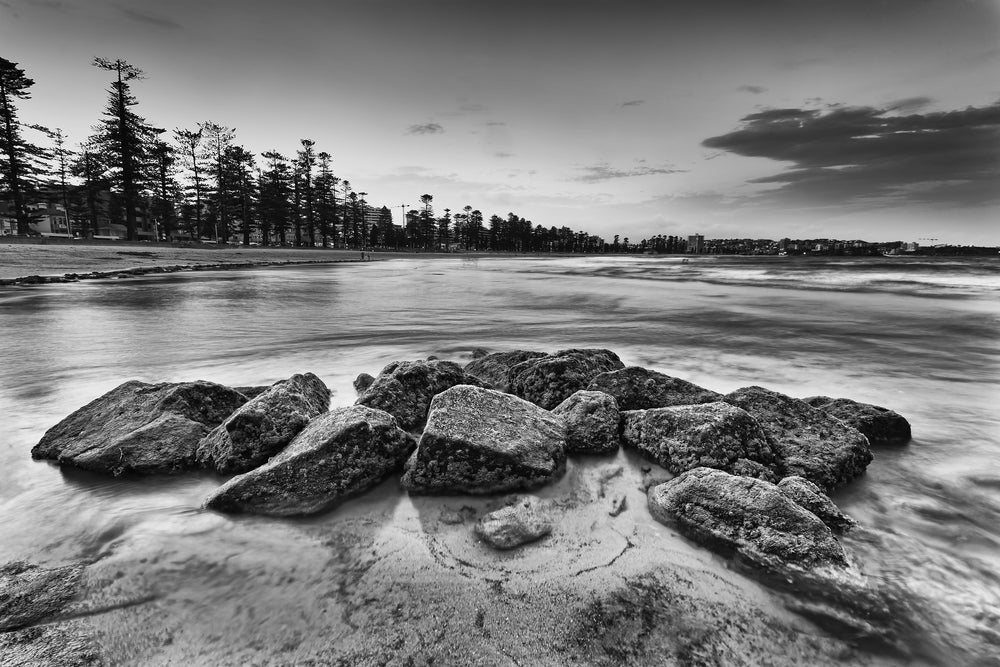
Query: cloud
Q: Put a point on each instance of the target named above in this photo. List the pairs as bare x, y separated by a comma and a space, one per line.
633, 103
755, 90
909, 104
501, 154
425, 128
602, 171
496, 123
148, 19
874, 157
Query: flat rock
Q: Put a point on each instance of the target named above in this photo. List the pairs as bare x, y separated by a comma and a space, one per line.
404, 389
881, 426
747, 518
483, 441
494, 369
338, 455
714, 435
550, 380
140, 427
637, 388
811, 497
514, 525
592, 419
29, 594
810, 442
264, 425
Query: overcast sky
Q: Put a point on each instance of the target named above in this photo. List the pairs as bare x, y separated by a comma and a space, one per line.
872, 119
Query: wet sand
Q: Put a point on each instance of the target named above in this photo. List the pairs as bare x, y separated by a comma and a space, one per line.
389, 579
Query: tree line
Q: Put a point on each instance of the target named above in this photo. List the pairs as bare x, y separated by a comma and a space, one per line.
201, 183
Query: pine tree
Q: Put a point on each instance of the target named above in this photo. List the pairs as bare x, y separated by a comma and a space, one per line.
124, 137
306, 162
189, 149
275, 191
19, 168
218, 139
166, 188
62, 157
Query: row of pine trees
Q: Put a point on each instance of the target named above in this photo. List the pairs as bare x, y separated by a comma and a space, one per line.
200, 183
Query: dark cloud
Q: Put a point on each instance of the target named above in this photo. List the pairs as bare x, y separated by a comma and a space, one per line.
909, 104
633, 103
756, 90
874, 156
604, 172
425, 128
148, 19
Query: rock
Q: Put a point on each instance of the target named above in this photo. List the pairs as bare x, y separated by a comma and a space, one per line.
618, 505
252, 391
362, 382
811, 497
404, 389
483, 441
513, 526
745, 517
548, 381
811, 443
479, 353
264, 425
140, 427
592, 419
29, 594
338, 455
880, 425
651, 478
494, 369
714, 435
637, 388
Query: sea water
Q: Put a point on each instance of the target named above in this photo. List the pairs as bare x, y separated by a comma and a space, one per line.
918, 335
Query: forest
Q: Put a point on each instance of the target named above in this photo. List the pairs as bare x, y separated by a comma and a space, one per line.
135, 180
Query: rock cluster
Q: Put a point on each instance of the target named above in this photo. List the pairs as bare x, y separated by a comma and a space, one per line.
880, 425
140, 428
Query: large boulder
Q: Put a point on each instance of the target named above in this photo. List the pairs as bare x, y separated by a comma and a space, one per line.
494, 369
338, 455
637, 388
714, 435
747, 518
140, 427
483, 441
550, 380
592, 419
29, 594
404, 389
514, 525
881, 426
264, 425
810, 496
811, 443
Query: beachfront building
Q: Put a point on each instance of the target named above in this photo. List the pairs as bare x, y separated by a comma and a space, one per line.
47, 219
696, 244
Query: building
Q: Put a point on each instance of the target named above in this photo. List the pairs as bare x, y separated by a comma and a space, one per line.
696, 244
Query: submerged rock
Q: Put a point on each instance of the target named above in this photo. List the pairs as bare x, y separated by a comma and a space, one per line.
592, 419
483, 441
714, 435
140, 427
811, 443
811, 497
880, 425
548, 381
263, 426
494, 369
745, 517
637, 388
404, 389
512, 526
338, 455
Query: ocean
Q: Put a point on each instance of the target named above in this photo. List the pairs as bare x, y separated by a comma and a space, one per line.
918, 335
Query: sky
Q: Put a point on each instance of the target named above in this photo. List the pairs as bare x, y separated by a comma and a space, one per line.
851, 119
